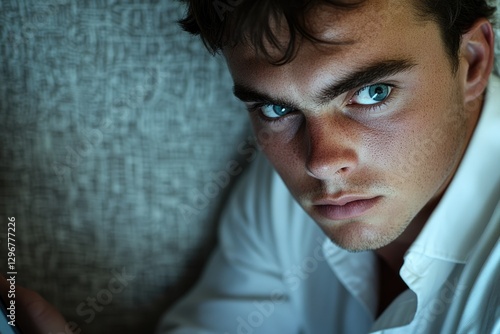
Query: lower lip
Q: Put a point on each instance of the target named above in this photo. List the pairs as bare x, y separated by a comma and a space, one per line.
350, 210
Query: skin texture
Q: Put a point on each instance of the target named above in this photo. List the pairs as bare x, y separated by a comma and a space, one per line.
405, 151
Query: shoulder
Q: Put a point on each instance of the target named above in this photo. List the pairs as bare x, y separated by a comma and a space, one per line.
479, 285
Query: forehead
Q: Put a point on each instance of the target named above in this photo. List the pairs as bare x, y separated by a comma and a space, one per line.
332, 24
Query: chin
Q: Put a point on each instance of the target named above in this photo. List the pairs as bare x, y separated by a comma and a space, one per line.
358, 236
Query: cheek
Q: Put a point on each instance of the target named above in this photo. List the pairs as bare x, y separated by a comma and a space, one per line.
419, 151
280, 140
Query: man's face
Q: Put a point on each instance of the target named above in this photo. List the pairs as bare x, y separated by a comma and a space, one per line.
365, 133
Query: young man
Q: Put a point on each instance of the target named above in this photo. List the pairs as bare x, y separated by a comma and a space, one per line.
381, 210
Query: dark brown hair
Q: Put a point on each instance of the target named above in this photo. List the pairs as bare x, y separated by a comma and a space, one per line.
223, 23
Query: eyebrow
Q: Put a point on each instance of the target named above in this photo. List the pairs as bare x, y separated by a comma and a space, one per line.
248, 94
360, 77
363, 76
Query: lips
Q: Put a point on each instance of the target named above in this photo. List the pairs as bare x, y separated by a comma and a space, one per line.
345, 207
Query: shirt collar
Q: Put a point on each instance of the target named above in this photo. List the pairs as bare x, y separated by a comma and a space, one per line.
356, 271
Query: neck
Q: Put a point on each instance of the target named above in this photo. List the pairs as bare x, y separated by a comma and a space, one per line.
391, 259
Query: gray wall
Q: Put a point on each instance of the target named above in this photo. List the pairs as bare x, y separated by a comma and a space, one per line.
112, 121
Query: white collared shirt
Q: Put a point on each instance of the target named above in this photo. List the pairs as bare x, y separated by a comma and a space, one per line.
274, 271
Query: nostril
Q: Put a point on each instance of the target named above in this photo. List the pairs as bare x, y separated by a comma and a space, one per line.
343, 170
329, 168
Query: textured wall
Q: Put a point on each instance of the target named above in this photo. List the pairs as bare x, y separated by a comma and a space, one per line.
114, 126
111, 121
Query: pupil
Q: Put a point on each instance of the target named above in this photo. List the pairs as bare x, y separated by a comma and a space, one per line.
378, 93
279, 110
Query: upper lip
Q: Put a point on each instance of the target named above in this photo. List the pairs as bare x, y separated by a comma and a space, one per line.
341, 200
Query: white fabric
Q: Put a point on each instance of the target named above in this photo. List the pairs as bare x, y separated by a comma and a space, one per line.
275, 272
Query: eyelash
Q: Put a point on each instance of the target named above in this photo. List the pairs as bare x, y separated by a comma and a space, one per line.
255, 108
374, 108
370, 108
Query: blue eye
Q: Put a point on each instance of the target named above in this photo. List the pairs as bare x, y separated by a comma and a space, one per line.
274, 110
372, 94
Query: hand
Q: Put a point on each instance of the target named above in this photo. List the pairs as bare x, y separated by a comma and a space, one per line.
34, 315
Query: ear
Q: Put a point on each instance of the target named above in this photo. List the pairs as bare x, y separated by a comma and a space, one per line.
477, 53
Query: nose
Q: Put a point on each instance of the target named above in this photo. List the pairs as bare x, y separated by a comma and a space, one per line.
331, 147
